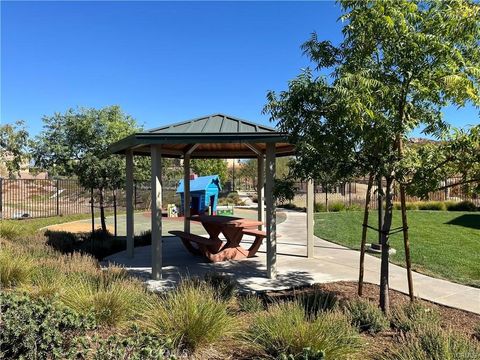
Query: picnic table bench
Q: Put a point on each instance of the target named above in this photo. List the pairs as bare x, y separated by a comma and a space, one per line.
214, 249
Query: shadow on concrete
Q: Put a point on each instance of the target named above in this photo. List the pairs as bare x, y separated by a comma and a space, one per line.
178, 263
467, 220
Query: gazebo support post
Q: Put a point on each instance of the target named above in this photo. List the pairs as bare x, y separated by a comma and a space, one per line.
271, 223
129, 202
156, 214
310, 243
186, 193
261, 189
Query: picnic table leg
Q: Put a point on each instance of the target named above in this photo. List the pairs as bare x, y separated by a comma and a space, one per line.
213, 232
252, 250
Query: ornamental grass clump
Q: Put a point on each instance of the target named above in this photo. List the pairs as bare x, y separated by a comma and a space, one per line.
285, 331
433, 342
112, 303
46, 281
366, 316
317, 301
225, 286
15, 267
250, 304
413, 315
192, 316
8, 230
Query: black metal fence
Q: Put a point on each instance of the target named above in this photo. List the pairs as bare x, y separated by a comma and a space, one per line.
36, 198
354, 193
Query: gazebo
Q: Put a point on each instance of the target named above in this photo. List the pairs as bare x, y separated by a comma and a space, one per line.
213, 136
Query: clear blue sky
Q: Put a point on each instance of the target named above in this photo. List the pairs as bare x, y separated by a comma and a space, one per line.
161, 62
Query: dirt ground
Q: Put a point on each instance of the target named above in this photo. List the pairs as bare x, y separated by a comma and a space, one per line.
76, 227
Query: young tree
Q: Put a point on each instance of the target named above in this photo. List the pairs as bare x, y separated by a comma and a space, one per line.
248, 172
14, 143
399, 63
76, 144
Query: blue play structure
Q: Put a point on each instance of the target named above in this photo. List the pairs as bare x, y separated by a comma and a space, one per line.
204, 192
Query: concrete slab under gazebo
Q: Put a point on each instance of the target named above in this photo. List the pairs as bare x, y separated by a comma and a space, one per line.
213, 136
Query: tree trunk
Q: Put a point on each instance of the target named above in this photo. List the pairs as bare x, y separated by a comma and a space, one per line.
406, 240
364, 235
102, 209
387, 224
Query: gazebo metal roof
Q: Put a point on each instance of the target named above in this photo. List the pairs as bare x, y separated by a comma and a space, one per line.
214, 136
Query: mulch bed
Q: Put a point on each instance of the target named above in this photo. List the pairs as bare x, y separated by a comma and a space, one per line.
458, 320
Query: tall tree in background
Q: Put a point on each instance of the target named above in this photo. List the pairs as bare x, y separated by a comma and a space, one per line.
204, 167
76, 143
399, 64
14, 143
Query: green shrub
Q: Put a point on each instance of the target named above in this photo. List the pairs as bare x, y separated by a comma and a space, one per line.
431, 205
232, 199
336, 207
409, 205
192, 316
224, 286
135, 345
366, 316
413, 315
291, 206
317, 301
433, 342
353, 207
320, 207
461, 206
285, 331
15, 268
36, 328
110, 302
250, 304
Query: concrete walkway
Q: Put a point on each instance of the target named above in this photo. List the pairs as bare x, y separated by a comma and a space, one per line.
332, 262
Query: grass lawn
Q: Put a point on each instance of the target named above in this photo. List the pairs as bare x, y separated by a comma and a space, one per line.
443, 244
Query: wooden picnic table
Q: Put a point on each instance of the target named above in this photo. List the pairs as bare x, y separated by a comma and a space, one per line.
233, 228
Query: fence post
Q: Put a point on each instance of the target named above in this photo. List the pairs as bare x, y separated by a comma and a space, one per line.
58, 194
350, 193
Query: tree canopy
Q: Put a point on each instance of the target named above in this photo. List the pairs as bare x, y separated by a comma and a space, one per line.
399, 63
76, 143
204, 167
14, 144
